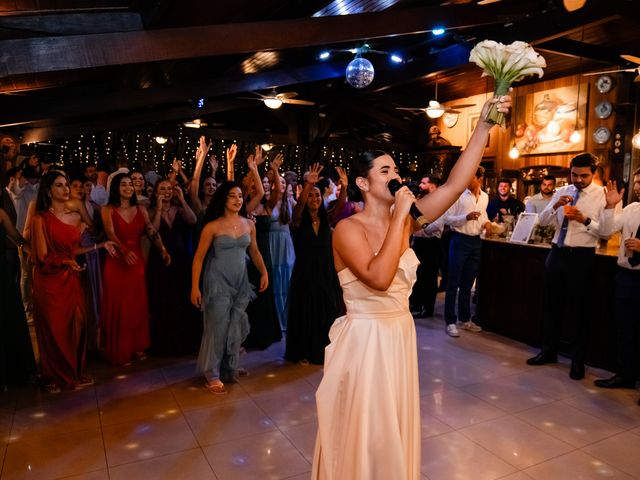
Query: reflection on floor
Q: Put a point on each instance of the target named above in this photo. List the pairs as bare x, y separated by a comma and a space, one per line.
485, 415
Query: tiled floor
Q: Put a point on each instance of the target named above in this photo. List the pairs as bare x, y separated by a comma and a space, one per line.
485, 415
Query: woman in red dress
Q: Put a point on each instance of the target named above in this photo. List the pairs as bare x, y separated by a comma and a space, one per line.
125, 308
59, 307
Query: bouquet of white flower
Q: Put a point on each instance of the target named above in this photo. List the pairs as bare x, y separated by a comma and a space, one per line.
506, 64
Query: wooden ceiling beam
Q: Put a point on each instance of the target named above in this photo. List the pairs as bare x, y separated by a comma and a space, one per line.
47, 54
23, 109
576, 49
73, 23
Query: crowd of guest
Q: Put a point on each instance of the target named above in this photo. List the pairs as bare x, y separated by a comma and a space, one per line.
102, 262
130, 263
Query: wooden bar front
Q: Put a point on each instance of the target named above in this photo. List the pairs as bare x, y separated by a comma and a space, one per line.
511, 299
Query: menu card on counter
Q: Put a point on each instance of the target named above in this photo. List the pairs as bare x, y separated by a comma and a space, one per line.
524, 228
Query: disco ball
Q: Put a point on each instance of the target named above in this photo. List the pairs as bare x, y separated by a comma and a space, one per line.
360, 72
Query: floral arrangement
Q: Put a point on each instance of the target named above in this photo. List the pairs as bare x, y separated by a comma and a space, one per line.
506, 64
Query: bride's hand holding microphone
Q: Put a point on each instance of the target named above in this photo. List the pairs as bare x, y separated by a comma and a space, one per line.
404, 200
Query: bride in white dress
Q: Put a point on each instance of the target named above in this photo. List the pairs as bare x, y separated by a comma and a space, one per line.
368, 401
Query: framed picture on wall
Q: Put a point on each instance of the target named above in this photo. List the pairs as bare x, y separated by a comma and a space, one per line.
544, 121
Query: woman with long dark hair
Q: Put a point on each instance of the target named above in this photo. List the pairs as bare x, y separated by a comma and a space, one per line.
226, 290
368, 400
281, 245
17, 362
59, 305
263, 317
314, 296
125, 312
174, 323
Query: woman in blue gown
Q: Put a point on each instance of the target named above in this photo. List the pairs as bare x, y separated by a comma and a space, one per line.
226, 290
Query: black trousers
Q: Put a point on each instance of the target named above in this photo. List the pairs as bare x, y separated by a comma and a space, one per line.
568, 293
428, 251
627, 317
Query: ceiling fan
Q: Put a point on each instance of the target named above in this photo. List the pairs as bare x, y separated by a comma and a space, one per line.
628, 58
275, 100
435, 109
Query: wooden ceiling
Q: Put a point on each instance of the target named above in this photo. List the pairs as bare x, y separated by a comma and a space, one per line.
71, 66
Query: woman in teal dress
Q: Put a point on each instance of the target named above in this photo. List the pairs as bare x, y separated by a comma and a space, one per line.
226, 290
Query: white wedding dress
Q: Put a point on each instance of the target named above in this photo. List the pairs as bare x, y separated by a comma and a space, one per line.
368, 401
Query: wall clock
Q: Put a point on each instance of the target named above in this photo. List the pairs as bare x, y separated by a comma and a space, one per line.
604, 109
601, 135
604, 83
450, 119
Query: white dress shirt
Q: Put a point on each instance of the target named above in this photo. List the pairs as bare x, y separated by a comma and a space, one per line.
537, 203
456, 216
433, 230
628, 221
591, 203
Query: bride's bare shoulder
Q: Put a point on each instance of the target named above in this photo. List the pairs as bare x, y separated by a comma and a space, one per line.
349, 225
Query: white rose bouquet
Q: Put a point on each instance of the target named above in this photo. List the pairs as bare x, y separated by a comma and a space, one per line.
506, 64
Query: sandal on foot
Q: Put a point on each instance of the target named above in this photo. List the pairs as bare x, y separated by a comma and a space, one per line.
216, 388
52, 388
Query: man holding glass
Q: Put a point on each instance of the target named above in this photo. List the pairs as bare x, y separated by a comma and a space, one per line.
574, 211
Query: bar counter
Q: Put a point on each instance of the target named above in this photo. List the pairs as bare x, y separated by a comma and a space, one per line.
511, 297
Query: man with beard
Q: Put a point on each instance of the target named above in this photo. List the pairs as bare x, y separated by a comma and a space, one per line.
574, 210
504, 203
427, 245
627, 283
539, 201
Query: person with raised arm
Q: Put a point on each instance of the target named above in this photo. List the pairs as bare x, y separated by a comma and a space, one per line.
368, 401
314, 296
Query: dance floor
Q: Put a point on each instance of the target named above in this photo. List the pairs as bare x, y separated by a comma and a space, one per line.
485, 415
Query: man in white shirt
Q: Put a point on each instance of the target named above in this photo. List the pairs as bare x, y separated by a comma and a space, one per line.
627, 290
427, 245
467, 218
539, 201
575, 211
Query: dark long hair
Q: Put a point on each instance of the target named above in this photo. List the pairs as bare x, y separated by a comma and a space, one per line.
114, 190
216, 206
284, 213
323, 216
360, 168
43, 200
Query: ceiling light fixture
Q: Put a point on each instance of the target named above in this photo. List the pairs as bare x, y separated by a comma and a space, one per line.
161, 140
438, 31
266, 146
435, 110
272, 102
197, 123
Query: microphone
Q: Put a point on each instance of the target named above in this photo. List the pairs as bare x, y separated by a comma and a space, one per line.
394, 185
